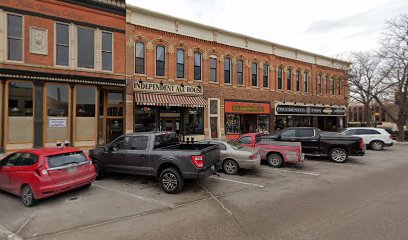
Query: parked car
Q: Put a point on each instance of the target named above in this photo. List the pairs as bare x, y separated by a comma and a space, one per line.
234, 156
157, 154
374, 138
43, 172
316, 143
275, 153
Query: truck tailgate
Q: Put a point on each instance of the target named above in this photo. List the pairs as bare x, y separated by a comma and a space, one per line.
211, 155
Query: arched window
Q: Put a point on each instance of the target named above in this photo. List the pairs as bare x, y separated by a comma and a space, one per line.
306, 82
298, 76
160, 60
289, 80
197, 66
265, 75
327, 84
213, 69
333, 87
319, 84
180, 63
140, 58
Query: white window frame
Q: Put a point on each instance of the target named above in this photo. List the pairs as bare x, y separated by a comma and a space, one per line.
22, 36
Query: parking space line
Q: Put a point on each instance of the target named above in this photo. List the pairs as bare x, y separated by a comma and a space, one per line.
162, 203
234, 181
292, 171
9, 235
26, 222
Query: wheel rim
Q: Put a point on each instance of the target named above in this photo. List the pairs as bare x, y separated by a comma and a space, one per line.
275, 160
339, 155
230, 167
27, 196
169, 181
376, 145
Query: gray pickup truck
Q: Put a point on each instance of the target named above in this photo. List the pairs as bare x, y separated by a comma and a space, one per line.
157, 154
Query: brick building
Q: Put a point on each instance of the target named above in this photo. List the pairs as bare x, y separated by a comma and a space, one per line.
62, 72
210, 83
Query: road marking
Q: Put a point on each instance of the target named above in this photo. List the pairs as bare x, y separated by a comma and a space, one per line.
26, 222
234, 181
9, 235
292, 171
162, 203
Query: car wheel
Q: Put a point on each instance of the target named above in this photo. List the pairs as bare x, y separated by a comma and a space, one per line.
275, 160
27, 196
171, 180
338, 155
230, 167
99, 172
377, 145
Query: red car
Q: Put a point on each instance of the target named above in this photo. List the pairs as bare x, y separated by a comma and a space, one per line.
43, 172
274, 152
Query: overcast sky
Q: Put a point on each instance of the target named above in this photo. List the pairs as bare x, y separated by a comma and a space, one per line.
321, 26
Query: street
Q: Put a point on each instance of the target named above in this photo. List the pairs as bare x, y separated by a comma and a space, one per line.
364, 198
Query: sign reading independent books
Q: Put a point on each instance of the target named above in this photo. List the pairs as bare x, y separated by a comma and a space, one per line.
310, 110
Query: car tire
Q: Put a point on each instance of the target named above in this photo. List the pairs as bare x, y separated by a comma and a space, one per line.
338, 155
376, 145
99, 171
230, 167
27, 196
275, 160
171, 180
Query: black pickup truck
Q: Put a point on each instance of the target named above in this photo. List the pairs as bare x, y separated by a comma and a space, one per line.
316, 143
157, 154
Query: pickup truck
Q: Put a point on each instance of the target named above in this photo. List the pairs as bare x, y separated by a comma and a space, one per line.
157, 154
316, 143
275, 153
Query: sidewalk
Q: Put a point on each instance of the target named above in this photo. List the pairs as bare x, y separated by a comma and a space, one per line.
400, 143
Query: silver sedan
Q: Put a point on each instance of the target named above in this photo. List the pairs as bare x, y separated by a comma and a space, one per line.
235, 156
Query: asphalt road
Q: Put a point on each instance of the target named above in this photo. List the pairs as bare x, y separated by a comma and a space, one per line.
365, 198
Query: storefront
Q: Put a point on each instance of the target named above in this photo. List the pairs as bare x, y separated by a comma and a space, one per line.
328, 118
169, 107
246, 117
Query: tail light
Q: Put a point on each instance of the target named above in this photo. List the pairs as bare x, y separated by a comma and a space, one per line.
198, 161
42, 171
390, 136
361, 142
253, 156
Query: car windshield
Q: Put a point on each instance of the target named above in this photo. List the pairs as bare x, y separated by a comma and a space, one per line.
235, 145
66, 159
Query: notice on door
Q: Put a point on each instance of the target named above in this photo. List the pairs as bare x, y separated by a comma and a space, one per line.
57, 122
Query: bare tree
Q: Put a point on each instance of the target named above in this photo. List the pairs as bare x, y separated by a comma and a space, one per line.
394, 52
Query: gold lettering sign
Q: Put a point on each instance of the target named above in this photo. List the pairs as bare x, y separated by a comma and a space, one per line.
166, 88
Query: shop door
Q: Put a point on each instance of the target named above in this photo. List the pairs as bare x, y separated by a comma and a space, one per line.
170, 124
114, 129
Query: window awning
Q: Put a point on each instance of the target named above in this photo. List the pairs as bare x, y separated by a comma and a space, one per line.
169, 100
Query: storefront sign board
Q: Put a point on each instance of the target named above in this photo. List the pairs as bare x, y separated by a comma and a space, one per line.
247, 108
167, 88
310, 110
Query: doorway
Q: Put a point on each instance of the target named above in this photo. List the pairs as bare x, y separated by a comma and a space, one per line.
170, 124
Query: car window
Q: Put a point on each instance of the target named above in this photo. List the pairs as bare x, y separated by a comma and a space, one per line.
351, 132
288, 133
305, 132
139, 143
220, 145
59, 160
27, 159
245, 140
234, 144
122, 143
11, 160
367, 132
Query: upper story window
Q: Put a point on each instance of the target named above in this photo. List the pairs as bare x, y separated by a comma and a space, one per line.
266, 75
197, 66
280, 78
180, 63
240, 72
319, 84
139, 58
333, 87
62, 44
298, 80
289, 80
86, 48
160, 60
107, 51
327, 85
14, 37
339, 87
306, 82
213, 69
227, 70
254, 74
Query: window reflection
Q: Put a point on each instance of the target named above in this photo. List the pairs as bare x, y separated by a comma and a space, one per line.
20, 101
57, 100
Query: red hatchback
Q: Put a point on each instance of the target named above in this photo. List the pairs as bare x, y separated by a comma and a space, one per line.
39, 173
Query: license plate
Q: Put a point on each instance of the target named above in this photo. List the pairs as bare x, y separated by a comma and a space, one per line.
72, 170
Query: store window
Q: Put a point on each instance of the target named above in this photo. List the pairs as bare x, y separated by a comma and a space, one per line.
197, 66
57, 100
213, 69
115, 104
140, 58
240, 72
232, 124
280, 78
62, 44
20, 99
145, 118
86, 47
265, 75
194, 121
306, 82
227, 70
298, 80
14, 37
107, 52
254, 74
85, 101
160, 60
289, 80
180, 63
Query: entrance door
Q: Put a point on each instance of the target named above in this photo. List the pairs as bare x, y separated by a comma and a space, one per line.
114, 129
170, 124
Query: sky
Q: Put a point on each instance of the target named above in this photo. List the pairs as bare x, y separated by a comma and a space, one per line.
326, 27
